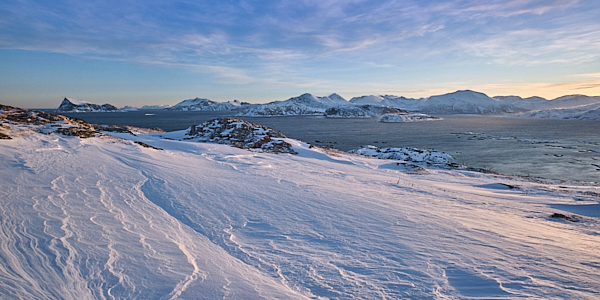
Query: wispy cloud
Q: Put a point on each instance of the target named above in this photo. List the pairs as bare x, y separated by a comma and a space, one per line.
289, 42
594, 75
577, 85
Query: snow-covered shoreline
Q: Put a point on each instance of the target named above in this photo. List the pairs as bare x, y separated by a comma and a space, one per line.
99, 216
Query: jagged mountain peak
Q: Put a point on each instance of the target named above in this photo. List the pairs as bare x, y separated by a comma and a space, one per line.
75, 101
77, 105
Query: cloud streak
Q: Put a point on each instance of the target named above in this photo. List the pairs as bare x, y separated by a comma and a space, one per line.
282, 41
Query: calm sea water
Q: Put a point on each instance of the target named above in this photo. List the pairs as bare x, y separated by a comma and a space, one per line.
513, 146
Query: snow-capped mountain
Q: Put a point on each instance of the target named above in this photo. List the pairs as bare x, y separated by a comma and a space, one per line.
459, 102
466, 102
77, 105
203, 104
305, 104
334, 106
471, 102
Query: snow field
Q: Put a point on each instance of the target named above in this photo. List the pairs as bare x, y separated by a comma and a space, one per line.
103, 218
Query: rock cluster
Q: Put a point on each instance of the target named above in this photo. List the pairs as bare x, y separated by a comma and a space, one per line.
241, 134
42, 122
405, 154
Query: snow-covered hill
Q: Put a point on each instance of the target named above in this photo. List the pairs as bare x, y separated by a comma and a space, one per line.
466, 102
202, 104
404, 103
305, 104
570, 101
105, 218
584, 112
459, 102
71, 105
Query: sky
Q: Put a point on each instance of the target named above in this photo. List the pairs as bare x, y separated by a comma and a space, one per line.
162, 52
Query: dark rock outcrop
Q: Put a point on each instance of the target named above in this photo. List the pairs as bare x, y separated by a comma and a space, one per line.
42, 122
241, 134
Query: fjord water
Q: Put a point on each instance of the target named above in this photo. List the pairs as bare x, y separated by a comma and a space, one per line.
546, 148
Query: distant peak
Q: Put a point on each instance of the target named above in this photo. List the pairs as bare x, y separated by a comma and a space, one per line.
336, 97
75, 101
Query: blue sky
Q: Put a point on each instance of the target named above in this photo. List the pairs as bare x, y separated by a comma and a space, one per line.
161, 52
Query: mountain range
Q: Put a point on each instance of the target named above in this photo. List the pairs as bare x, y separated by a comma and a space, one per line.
459, 102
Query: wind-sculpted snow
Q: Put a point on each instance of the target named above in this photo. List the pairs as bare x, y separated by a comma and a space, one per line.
101, 218
77, 225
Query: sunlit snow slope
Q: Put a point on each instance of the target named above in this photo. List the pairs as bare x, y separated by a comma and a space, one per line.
104, 218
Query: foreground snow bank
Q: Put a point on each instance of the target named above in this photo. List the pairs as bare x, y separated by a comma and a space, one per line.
102, 218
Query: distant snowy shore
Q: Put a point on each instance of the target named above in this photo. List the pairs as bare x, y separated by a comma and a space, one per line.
92, 214
404, 118
584, 112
